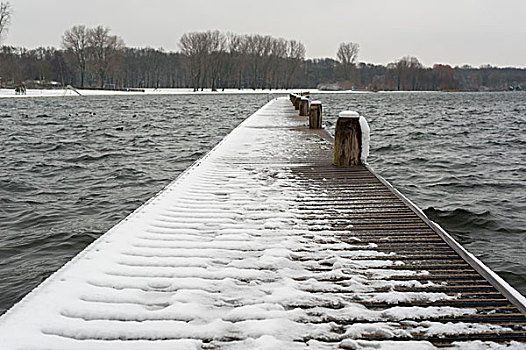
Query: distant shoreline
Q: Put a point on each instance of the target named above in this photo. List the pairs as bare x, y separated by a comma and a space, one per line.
10, 93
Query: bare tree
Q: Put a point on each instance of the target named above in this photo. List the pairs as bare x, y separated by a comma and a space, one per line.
75, 40
277, 64
294, 58
194, 46
266, 45
347, 55
217, 44
406, 73
237, 49
258, 52
5, 18
104, 49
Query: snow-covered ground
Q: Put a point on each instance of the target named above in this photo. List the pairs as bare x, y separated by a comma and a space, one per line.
222, 258
4, 93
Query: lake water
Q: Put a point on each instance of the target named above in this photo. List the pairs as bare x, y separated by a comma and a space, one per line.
73, 167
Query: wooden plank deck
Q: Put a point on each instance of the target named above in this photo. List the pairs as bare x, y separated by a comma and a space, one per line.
263, 243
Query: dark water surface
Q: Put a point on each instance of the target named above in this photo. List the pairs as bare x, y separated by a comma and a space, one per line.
73, 167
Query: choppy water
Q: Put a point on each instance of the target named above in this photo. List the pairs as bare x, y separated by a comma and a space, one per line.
73, 167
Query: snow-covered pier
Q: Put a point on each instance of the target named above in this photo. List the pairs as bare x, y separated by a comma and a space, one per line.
264, 244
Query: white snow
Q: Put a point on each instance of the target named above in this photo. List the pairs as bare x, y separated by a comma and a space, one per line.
9, 93
366, 139
480, 345
422, 345
349, 114
223, 258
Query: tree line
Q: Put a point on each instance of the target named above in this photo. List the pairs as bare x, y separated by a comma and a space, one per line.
214, 59
95, 58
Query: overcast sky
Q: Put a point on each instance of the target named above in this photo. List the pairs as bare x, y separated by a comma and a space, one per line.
455, 32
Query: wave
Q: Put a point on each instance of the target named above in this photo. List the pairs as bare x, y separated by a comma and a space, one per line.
462, 221
93, 157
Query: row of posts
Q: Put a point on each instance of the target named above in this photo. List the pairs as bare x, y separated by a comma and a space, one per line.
347, 135
306, 108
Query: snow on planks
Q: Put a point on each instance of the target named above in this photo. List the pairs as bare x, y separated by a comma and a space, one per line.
263, 244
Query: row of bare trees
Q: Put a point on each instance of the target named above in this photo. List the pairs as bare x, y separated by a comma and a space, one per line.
93, 57
93, 48
212, 59
215, 59
408, 74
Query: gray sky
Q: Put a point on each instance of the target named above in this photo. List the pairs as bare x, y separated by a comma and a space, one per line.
455, 32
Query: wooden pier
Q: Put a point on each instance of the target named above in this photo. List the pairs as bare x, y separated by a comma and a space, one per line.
264, 243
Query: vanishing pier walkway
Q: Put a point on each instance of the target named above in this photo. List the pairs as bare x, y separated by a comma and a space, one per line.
264, 244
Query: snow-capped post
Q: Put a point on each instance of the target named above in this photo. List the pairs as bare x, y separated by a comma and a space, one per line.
351, 140
293, 98
304, 107
297, 102
315, 115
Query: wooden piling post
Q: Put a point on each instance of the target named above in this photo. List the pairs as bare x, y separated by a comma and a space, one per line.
296, 102
315, 115
348, 140
304, 107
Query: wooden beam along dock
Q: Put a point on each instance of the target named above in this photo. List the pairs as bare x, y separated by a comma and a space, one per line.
280, 237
